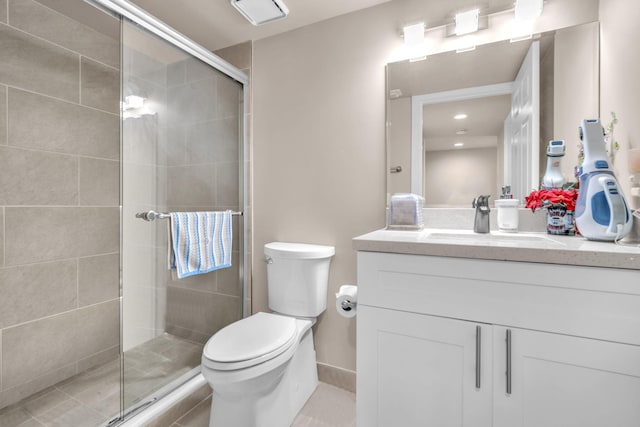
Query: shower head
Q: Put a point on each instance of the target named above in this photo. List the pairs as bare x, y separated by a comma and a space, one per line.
261, 11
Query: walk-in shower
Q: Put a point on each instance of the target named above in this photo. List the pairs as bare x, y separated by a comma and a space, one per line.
106, 113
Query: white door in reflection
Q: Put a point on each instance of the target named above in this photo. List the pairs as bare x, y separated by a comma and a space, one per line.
522, 128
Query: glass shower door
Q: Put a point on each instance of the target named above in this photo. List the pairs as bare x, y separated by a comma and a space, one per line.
181, 151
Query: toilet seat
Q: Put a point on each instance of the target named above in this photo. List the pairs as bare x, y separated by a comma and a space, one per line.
250, 341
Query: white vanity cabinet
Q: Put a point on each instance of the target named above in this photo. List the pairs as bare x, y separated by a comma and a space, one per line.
565, 381
433, 348
419, 370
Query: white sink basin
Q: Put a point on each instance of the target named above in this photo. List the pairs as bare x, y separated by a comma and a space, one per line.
470, 237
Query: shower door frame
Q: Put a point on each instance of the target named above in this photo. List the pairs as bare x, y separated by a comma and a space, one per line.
140, 17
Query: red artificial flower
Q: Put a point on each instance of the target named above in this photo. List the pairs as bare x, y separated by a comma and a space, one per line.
556, 196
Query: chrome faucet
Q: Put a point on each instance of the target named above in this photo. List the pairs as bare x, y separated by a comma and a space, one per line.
481, 222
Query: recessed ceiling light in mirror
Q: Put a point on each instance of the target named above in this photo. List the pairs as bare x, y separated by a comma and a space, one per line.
458, 144
460, 116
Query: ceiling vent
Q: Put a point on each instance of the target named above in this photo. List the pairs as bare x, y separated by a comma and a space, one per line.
261, 11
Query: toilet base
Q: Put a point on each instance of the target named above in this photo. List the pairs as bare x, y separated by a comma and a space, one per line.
280, 403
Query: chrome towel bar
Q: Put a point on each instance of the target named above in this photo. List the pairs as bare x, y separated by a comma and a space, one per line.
153, 215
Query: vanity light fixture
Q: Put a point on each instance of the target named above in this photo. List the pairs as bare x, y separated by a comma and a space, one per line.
261, 11
460, 116
521, 39
413, 34
467, 22
528, 9
466, 49
414, 41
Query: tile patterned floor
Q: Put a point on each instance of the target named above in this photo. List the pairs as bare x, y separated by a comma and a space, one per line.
93, 397
328, 406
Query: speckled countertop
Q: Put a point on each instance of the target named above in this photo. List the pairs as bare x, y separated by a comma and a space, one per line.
527, 247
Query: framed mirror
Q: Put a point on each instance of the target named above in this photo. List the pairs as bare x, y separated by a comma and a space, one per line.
449, 161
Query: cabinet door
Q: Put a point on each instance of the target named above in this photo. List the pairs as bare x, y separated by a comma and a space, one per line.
419, 370
564, 381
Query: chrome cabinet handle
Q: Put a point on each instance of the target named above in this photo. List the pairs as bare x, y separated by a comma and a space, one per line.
478, 354
508, 361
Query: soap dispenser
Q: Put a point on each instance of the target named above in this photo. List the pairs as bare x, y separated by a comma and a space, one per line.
507, 208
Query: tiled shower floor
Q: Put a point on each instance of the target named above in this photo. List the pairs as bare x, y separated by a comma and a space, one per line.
93, 397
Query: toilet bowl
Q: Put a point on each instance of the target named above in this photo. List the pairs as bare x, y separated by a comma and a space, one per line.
262, 368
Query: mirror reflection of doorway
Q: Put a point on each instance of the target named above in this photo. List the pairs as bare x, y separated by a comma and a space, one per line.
496, 143
462, 157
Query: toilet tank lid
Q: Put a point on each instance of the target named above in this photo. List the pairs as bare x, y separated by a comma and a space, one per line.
298, 250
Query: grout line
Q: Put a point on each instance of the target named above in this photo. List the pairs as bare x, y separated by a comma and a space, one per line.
84, 55
37, 420
4, 237
80, 80
78, 181
102, 364
81, 404
63, 206
73, 310
77, 283
6, 114
77, 104
53, 43
51, 261
60, 153
1, 361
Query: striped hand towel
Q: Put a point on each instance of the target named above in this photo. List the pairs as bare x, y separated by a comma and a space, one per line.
200, 242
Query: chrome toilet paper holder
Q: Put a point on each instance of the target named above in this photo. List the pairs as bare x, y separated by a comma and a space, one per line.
348, 305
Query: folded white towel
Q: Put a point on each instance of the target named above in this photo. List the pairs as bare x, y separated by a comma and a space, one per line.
200, 242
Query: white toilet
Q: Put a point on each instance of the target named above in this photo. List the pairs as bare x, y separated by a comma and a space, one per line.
262, 369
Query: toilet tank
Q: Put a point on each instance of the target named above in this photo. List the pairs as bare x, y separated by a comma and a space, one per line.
297, 277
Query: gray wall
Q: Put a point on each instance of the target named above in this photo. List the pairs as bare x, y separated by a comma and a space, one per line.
319, 139
620, 85
59, 197
454, 177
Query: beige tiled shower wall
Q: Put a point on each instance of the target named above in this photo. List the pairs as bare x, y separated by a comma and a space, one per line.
202, 174
59, 197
